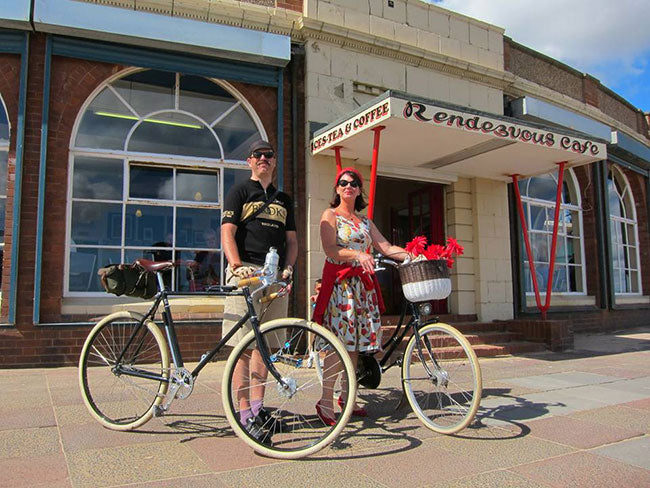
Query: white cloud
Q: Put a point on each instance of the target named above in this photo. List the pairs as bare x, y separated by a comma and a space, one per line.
581, 33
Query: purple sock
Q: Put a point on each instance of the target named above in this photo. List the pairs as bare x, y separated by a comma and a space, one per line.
256, 406
244, 415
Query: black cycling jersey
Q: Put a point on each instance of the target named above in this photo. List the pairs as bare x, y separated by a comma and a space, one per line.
267, 229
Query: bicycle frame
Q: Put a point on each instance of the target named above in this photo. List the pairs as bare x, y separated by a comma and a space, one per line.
396, 339
170, 331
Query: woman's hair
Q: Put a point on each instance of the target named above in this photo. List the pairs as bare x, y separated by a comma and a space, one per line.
359, 202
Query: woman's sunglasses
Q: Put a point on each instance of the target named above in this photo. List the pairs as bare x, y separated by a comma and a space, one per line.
267, 154
353, 184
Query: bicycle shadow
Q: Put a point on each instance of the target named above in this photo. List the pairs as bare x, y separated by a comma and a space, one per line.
504, 420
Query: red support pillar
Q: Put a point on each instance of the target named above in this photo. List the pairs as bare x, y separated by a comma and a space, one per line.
373, 173
337, 153
531, 264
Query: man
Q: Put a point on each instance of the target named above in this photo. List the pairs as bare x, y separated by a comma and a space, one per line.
245, 247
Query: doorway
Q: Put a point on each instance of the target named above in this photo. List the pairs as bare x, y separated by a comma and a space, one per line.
405, 209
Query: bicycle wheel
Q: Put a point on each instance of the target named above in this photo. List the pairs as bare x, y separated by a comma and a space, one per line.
122, 401
444, 391
291, 428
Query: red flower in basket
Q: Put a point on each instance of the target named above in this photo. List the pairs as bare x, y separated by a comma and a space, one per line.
418, 247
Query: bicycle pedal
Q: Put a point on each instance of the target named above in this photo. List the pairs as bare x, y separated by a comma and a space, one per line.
159, 411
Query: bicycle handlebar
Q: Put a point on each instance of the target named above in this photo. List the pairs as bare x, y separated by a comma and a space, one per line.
254, 280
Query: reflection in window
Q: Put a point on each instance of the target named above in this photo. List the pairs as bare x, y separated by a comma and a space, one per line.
538, 195
624, 234
125, 206
4, 152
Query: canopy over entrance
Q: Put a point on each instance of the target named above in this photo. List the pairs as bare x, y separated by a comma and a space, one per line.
455, 140
420, 133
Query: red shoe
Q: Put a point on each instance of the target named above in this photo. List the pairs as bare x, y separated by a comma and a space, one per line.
357, 412
324, 418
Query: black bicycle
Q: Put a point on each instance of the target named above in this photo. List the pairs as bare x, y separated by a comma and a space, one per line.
441, 377
126, 375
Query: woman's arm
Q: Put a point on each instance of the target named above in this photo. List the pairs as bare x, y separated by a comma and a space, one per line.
381, 244
336, 252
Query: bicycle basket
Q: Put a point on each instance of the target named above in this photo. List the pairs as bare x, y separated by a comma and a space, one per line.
425, 280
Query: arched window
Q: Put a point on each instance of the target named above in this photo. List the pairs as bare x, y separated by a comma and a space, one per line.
538, 195
4, 153
153, 154
624, 234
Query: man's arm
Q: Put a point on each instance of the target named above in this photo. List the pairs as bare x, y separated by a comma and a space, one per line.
230, 245
292, 247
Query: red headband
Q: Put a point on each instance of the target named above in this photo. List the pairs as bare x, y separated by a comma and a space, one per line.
348, 170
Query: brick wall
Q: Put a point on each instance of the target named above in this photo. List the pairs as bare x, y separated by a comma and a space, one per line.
548, 72
72, 82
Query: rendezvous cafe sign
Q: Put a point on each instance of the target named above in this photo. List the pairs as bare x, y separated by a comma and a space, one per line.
367, 119
403, 109
502, 129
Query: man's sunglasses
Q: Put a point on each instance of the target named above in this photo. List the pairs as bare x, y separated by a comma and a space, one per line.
259, 154
353, 184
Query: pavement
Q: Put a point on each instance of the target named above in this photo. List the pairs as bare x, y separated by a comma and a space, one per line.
579, 418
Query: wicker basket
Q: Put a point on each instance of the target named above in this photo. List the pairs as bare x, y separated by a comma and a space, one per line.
425, 280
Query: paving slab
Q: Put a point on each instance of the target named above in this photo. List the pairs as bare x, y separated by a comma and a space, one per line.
299, 474
492, 479
631, 451
583, 469
134, 463
561, 380
618, 416
578, 433
36, 470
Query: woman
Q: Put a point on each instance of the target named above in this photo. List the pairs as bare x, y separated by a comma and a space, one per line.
349, 302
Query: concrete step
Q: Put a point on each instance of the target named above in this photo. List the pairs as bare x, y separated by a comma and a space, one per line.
488, 339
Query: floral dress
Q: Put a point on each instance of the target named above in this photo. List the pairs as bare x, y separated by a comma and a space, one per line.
353, 312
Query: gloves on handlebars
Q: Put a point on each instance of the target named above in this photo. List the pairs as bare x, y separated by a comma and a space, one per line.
242, 272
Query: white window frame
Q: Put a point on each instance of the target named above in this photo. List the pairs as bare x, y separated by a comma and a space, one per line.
153, 159
613, 170
569, 177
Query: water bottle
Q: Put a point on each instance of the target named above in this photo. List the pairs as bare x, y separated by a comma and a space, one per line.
271, 263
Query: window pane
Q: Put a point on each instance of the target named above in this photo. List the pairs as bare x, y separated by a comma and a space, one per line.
541, 271
96, 178
3, 173
4, 127
233, 176
615, 208
96, 223
634, 282
196, 186
204, 270
236, 132
198, 228
572, 223
537, 217
543, 188
540, 246
174, 133
84, 264
151, 182
106, 123
560, 279
204, 98
3, 206
149, 226
575, 279
148, 91
561, 251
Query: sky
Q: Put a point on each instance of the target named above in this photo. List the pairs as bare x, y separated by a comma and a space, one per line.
610, 40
